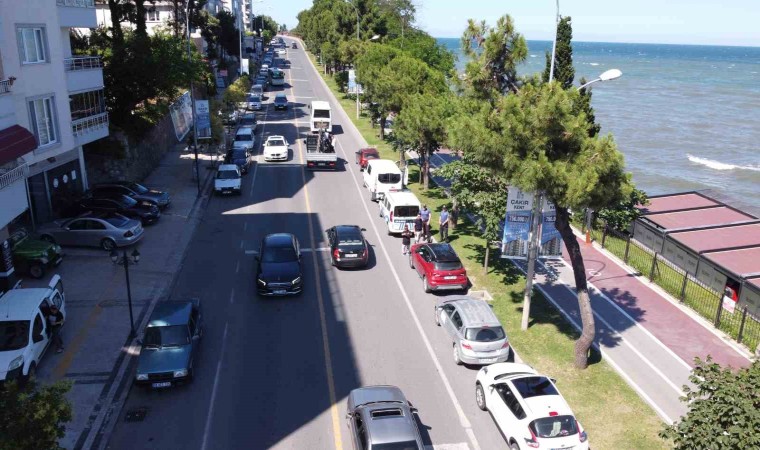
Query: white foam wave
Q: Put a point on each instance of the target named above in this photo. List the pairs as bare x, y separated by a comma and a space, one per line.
533, 56
593, 64
717, 165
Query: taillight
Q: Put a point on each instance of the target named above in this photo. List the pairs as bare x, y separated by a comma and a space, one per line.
506, 344
365, 253
391, 216
553, 413
532, 442
332, 164
129, 234
309, 164
581, 433
336, 254
467, 346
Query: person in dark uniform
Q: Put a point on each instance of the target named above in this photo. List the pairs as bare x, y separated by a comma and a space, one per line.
55, 321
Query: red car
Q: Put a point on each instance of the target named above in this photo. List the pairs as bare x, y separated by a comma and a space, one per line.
364, 155
438, 266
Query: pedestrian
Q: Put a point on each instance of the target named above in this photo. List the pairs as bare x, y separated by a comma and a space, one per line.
406, 239
55, 320
425, 214
443, 224
418, 228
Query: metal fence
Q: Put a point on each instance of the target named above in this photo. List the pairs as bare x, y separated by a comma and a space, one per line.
82, 63
11, 176
741, 325
77, 3
5, 86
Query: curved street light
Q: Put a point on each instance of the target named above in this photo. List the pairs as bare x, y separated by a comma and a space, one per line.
608, 75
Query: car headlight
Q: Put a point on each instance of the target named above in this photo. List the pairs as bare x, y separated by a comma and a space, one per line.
57, 248
142, 376
261, 282
180, 373
16, 363
44, 260
296, 280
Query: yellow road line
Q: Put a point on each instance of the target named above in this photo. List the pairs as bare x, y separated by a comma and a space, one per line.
320, 300
72, 349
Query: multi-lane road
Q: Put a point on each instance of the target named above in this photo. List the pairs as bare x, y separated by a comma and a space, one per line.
275, 372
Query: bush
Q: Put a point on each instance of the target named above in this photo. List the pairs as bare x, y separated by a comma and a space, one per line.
33, 418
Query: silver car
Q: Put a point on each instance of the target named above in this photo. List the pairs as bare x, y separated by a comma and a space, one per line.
380, 417
477, 334
106, 231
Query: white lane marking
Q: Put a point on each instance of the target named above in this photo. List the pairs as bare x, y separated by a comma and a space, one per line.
463, 420
232, 293
242, 243
305, 81
251, 252
303, 249
207, 430
245, 226
237, 267
457, 446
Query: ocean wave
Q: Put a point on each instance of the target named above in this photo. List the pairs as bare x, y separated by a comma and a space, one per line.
533, 56
717, 165
593, 64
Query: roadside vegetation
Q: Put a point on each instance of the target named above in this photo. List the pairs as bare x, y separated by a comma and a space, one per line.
33, 417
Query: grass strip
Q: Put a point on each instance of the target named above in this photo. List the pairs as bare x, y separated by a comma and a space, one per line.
614, 416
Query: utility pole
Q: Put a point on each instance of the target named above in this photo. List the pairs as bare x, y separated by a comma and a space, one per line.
192, 102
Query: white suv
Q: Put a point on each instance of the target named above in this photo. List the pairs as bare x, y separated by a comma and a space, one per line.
528, 408
25, 333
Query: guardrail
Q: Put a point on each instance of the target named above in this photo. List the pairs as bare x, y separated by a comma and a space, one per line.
5, 86
76, 3
13, 175
82, 63
81, 126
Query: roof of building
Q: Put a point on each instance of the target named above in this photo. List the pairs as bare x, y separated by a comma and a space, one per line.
721, 215
719, 238
677, 202
744, 262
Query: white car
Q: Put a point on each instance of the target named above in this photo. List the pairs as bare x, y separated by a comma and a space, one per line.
528, 408
276, 149
228, 180
254, 102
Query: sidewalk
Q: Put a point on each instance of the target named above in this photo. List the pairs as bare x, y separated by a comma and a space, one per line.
97, 325
643, 333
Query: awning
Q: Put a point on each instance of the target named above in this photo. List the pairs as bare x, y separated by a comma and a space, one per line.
15, 141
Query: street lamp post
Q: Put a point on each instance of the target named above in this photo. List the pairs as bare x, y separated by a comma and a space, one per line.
192, 103
126, 260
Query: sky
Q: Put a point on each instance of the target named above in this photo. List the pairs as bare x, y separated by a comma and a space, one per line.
703, 22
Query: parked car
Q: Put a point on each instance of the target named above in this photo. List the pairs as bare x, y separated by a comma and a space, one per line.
474, 329
244, 139
134, 190
280, 102
106, 231
278, 268
248, 120
241, 158
262, 80
294, 46
33, 256
276, 149
380, 417
254, 103
364, 155
230, 118
439, 267
348, 248
170, 344
146, 211
528, 408
228, 180
25, 330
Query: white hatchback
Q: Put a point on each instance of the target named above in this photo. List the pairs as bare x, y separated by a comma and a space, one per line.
528, 408
276, 149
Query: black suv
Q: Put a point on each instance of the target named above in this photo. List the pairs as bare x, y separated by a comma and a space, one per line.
132, 189
145, 211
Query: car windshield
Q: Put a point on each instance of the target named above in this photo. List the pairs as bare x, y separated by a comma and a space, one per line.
168, 336
534, 386
248, 119
554, 427
127, 201
448, 265
321, 113
278, 254
239, 154
349, 237
275, 143
389, 178
409, 445
117, 221
14, 335
140, 189
280, 100
484, 334
243, 137
226, 175
254, 99
406, 211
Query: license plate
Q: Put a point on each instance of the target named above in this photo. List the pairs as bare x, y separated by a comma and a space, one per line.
280, 292
450, 277
163, 384
321, 164
487, 360
350, 256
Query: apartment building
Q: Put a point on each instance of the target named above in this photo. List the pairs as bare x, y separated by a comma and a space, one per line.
51, 104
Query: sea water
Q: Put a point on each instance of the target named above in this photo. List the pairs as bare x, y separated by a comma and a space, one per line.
686, 117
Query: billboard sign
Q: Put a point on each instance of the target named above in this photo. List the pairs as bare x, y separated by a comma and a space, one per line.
514, 242
551, 240
352, 84
203, 119
182, 115
244, 65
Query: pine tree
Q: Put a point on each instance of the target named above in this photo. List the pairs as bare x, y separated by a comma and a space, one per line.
564, 72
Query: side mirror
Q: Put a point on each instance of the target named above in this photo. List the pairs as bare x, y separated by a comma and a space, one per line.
364, 229
554, 380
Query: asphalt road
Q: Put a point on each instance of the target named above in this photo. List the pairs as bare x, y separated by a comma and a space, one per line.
276, 372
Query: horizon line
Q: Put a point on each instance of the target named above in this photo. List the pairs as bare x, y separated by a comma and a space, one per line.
621, 42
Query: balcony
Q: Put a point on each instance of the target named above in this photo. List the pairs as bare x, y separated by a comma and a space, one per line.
77, 13
83, 73
13, 194
89, 129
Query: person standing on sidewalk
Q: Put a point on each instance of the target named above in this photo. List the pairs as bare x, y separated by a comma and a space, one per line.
418, 228
55, 320
406, 239
425, 215
443, 224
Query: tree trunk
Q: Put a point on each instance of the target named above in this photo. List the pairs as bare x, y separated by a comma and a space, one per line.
583, 344
177, 19
118, 34
382, 125
141, 28
426, 169
485, 261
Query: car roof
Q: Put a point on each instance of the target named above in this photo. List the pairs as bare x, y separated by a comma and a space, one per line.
244, 130
543, 405
280, 95
170, 313
320, 104
474, 312
279, 239
19, 304
385, 164
275, 137
372, 402
228, 167
369, 149
403, 197
443, 252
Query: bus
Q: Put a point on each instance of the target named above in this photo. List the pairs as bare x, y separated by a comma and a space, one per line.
277, 77
321, 116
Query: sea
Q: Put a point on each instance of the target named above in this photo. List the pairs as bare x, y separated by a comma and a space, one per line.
686, 117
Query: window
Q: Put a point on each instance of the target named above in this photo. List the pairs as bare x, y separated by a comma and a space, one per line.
151, 15
31, 41
553, 427
511, 401
484, 334
407, 211
361, 431
167, 336
42, 119
87, 104
38, 327
14, 334
389, 178
456, 320
78, 225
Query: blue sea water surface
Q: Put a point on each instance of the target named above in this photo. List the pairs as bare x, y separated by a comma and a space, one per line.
686, 117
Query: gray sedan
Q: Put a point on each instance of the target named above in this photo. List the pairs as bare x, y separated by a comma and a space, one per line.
104, 231
380, 417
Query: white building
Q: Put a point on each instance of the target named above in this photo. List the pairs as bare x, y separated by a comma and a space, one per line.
51, 103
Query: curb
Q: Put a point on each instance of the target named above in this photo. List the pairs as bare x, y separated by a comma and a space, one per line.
117, 394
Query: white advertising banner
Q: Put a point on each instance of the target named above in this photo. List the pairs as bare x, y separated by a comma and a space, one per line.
551, 240
182, 115
514, 242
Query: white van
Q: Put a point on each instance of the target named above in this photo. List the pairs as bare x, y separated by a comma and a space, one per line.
321, 116
382, 176
399, 209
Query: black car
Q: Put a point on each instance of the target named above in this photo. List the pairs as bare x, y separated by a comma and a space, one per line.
278, 268
280, 102
294, 46
348, 248
262, 80
240, 157
248, 120
145, 211
132, 189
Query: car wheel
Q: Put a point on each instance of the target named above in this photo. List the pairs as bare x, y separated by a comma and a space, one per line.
411, 262
37, 271
437, 318
425, 285
373, 196
480, 397
107, 244
31, 376
47, 238
457, 359
514, 446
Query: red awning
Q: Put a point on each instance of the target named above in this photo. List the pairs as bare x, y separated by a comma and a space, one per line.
15, 141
